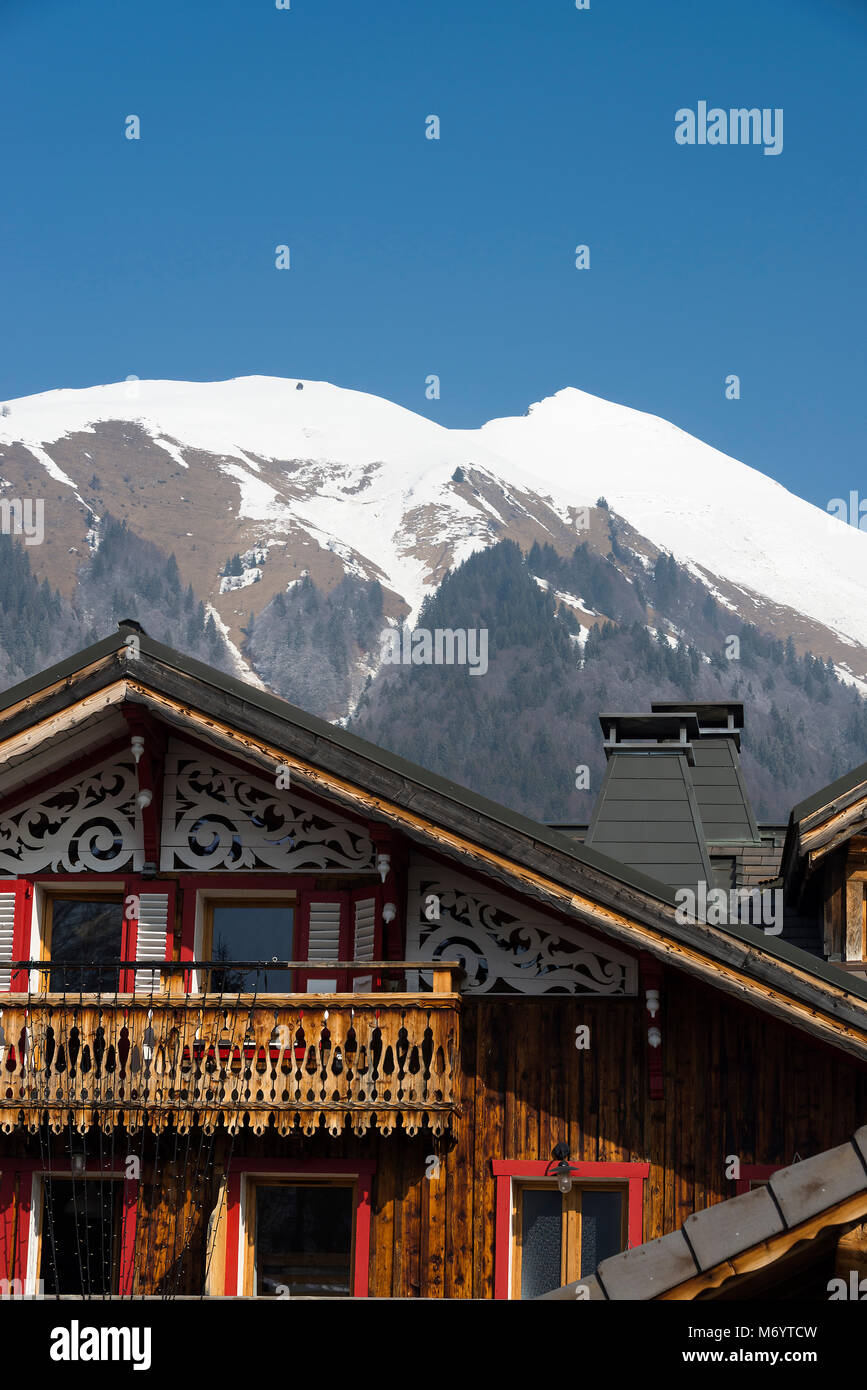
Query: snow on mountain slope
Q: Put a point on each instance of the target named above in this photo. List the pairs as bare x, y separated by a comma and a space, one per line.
369, 480
377, 486
708, 509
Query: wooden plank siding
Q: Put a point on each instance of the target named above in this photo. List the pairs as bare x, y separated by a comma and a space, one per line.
735, 1082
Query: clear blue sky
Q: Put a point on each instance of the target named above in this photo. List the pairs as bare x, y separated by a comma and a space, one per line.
409, 256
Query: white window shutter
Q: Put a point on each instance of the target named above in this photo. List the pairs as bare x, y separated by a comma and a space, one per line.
153, 928
323, 940
364, 939
7, 938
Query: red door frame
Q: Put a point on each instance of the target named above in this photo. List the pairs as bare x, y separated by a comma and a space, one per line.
506, 1170
363, 1170
27, 1168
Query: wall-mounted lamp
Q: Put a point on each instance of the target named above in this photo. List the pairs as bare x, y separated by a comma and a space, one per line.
560, 1168
383, 864
389, 912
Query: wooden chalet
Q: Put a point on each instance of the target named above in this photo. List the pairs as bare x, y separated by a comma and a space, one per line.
282, 1014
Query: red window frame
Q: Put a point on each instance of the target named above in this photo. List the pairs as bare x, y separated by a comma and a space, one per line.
196, 886
632, 1175
13, 1261
754, 1172
262, 1169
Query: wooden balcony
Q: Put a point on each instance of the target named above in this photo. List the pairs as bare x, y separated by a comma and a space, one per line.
348, 1060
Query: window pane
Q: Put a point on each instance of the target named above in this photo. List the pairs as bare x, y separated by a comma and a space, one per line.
303, 1239
541, 1241
85, 931
80, 1231
601, 1227
252, 933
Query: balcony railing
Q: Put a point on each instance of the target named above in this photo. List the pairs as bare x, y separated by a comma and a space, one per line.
70, 1058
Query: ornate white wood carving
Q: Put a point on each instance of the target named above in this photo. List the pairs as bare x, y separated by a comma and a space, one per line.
505, 949
87, 824
217, 817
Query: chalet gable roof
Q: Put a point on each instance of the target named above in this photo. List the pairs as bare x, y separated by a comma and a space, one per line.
521, 854
825, 821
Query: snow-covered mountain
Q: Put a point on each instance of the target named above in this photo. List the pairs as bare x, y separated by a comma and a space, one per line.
296, 476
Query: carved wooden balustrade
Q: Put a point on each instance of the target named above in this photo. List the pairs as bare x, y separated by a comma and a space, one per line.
74, 1059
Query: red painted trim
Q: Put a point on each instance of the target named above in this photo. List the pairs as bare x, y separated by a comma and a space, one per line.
617, 1172
752, 1172
228, 878
506, 1170
21, 923
503, 1237
129, 1224
233, 1233
55, 881
13, 1254
363, 1170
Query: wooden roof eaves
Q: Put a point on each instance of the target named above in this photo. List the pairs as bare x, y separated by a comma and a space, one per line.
741, 960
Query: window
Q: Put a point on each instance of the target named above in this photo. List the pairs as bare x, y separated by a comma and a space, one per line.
82, 1221
545, 1239
298, 1227
85, 929
560, 1237
302, 1239
249, 930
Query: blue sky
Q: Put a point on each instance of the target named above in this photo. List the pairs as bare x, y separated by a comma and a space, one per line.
410, 256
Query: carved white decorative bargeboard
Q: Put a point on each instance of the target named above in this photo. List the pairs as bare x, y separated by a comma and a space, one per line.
87, 824
217, 817
504, 947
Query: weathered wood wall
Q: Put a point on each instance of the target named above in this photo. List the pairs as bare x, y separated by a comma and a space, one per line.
735, 1083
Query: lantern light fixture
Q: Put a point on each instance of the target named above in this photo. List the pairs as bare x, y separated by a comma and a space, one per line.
560, 1168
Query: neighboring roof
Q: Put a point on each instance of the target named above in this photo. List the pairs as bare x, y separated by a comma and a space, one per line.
523, 855
852, 786
735, 1240
823, 822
